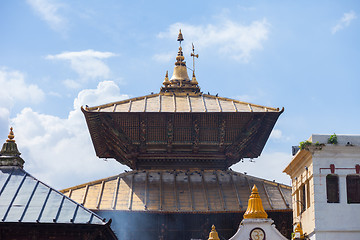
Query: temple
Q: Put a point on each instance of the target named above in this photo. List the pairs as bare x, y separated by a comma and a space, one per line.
180, 144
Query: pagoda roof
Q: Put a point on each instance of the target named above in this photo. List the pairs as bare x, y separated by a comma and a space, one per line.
180, 103
192, 191
25, 199
180, 127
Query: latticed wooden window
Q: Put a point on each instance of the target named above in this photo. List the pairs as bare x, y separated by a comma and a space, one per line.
156, 128
353, 188
182, 128
130, 126
209, 128
332, 188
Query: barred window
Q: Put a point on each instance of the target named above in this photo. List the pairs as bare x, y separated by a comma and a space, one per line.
332, 188
353, 188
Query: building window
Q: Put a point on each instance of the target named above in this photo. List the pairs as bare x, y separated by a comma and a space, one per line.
332, 188
353, 188
303, 197
307, 193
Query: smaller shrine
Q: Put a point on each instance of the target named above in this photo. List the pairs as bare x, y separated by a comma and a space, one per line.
256, 225
30, 209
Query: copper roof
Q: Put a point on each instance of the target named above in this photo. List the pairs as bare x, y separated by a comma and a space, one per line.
179, 191
180, 103
23, 198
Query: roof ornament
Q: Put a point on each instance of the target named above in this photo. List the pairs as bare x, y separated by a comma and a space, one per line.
9, 154
180, 37
180, 83
255, 208
166, 80
213, 234
193, 55
11, 136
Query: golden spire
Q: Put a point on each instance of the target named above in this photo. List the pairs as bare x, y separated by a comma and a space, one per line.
213, 234
166, 80
255, 208
180, 83
180, 36
11, 136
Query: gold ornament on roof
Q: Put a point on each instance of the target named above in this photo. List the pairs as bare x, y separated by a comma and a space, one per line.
213, 234
166, 80
180, 36
11, 136
255, 208
180, 83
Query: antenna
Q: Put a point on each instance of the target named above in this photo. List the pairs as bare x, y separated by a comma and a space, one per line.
193, 55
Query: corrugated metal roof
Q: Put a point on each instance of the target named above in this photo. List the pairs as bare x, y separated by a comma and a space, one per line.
23, 198
179, 191
182, 103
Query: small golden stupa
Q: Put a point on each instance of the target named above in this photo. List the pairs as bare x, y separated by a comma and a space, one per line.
213, 234
255, 208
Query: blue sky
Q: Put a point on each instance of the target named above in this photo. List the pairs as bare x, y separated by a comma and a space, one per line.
59, 55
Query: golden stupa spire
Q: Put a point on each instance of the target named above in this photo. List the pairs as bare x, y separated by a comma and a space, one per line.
255, 208
11, 136
166, 80
213, 234
180, 83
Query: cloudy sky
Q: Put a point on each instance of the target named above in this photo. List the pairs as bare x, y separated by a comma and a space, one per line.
58, 55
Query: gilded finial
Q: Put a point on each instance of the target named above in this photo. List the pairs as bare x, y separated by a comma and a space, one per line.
166, 80
213, 234
255, 208
180, 37
11, 136
193, 80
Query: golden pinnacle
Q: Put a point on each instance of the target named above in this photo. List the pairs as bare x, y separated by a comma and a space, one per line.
11, 136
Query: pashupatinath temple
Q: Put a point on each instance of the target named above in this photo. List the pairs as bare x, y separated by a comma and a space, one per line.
180, 144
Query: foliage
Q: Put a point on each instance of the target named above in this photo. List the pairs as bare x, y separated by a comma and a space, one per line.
333, 139
304, 145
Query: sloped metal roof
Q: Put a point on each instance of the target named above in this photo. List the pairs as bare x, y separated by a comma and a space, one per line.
183, 103
23, 198
179, 191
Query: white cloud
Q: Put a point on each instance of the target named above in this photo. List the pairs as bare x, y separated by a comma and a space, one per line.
344, 21
276, 134
267, 166
59, 151
87, 64
48, 10
14, 88
232, 39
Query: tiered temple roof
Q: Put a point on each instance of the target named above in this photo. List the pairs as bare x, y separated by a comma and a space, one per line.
180, 127
205, 191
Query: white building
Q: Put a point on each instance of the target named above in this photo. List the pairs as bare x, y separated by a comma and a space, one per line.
326, 187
